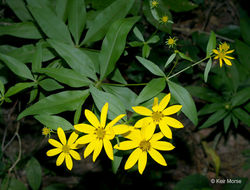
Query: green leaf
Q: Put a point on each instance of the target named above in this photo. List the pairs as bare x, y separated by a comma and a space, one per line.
241, 97
153, 39
22, 30
61, 8
66, 76
207, 69
16, 66
76, 59
116, 107
183, 56
50, 85
243, 50
113, 44
34, 173
138, 34
145, 50
51, 24
170, 59
227, 122
124, 94
116, 162
117, 77
37, 58
105, 18
152, 67
57, 103
33, 95
77, 114
76, 18
242, 115
179, 5
244, 29
210, 108
16, 185
2, 89
184, 98
214, 118
18, 7
235, 121
154, 87
211, 44
18, 88
54, 121
192, 182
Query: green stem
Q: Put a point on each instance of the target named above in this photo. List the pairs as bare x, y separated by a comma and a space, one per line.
175, 63
112, 84
187, 68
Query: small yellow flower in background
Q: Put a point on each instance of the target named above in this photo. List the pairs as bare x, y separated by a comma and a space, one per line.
143, 145
159, 115
64, 148
99, 134
46, 131
222, 54
171, 42
164, 19
154, 3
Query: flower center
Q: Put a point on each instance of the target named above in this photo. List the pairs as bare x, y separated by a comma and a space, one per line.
164, 19
100, 133
154, 3
65, 149
157, 116
221, 55
145, 145
171, 41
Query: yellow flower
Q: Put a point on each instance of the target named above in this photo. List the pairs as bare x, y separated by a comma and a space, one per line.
99, 134
154, 3
46, 131
65, 149
222, 54
164, 19
144, 145
159, 115
171, 42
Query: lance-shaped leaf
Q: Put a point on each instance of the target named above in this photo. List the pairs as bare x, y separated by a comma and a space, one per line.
116, 107
154, 87
57, 103
152, 67
22, 30
242, 115
34, 173
76, 59
207, 69
170, 59
241, 97
100, 25
76, 18
184, 98
16, 66
54, 121
18, 88
67, 76
18, 7
211, 44
51, 24
50, 85
62, 9
113, 44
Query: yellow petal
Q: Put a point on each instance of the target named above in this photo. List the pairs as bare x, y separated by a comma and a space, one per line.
157, 136
157, 156
155, 105
231, 51
75, 155
61, 135
126, 145
92, 118
172, 110
228, 62
164, 102
132, 159
215, 51
85, 139
72, 138
84, 128
60, 159
110, 134
143, 121
148, 131
142, 161
97, 150
173, 122
142, 110
229, 57
54, 151
104, 114
114, 121
120, 129
89, 149
108, 149
165, 130
220, 60
55, 143
162, 145
216, 57
134, 135
69, 162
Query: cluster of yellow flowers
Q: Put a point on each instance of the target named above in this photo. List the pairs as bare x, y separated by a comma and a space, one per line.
141, 137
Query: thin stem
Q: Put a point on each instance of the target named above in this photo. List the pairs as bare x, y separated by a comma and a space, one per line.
175, 63
112, 84
187, 68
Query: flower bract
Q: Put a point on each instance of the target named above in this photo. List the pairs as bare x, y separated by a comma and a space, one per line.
159, 115
64, 148
98, 134
143, 145
222, 52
